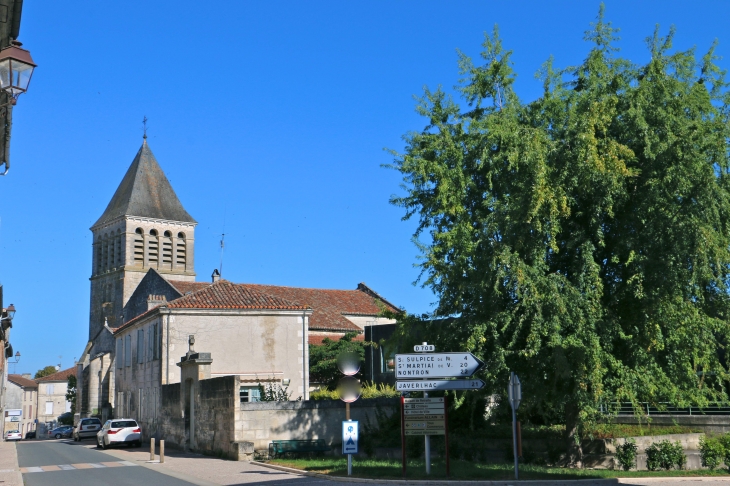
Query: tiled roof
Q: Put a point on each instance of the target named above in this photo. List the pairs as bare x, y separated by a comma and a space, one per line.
188, 287
132, 321
317, 339
22, 381
226, 295
145, 191
59, 376
330, 305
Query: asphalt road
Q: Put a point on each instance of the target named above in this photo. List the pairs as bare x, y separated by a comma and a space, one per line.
76, 465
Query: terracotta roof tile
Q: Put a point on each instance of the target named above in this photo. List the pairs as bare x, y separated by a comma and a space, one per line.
188, 287
20, 380
226, 295
59, 376
319, 339
330, 305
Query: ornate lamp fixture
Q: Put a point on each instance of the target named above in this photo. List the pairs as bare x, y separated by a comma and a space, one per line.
16, 69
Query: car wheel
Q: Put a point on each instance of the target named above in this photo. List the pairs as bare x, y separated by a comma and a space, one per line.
57, 436
138, 444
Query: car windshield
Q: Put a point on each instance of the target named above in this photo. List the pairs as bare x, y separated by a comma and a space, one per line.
124, 423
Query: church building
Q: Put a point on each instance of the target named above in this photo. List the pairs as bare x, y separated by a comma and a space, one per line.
146, 307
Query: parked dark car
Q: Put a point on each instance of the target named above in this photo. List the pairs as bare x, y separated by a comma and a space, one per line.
30, 434
62, 431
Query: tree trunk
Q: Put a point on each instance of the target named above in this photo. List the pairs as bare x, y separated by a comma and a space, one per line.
574, 455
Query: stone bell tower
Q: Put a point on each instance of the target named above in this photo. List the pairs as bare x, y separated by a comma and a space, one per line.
144, 226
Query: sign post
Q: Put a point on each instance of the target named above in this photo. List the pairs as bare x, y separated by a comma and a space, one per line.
514, 392
349, 390
350, 429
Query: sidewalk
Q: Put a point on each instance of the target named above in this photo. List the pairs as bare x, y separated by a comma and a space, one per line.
210, 471
9, 470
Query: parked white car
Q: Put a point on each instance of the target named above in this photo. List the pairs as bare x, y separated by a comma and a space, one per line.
119, 431
13, 435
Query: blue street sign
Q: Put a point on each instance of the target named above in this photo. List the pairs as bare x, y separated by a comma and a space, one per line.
349, 436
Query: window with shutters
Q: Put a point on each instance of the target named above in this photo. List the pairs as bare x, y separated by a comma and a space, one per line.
138, 246
140, 346
167, 250
120, 353
49, 408
180, 250
153, 248
49, 389
155, 341
247, 394
127, 350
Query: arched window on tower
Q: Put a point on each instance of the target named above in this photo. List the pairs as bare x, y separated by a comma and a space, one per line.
167, 250
180, 250
99, 251
112, 256
139, 247
153, 250
104, 261
119, 240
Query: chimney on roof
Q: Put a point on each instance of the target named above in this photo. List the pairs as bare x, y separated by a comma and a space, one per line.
155, 300
216, 276
27, 375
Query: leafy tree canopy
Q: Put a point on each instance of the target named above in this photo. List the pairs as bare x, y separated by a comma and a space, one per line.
48, 370
71, 393
582, 238
323, 358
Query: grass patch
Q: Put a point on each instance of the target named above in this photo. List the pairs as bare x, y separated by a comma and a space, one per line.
389, 469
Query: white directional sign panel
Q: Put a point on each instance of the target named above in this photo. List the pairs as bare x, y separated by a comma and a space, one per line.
436, 365
431, 385
349, 436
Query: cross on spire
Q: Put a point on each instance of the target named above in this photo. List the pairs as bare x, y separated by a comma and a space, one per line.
144, 127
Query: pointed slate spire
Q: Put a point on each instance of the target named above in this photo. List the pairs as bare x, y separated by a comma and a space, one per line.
145, 192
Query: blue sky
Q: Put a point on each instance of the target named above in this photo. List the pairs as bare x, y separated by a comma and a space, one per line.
269, 118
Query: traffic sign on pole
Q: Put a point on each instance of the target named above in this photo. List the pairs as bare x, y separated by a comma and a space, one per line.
514, 391
434, 385
436, 365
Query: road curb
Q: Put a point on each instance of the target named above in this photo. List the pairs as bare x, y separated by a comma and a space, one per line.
530, 482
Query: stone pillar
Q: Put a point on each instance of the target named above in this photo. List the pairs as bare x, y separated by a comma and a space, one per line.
194, 366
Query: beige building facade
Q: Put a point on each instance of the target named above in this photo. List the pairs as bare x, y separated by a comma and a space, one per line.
51, 396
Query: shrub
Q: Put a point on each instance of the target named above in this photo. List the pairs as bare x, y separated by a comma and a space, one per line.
626, 454
554, 453
712, 451
665, 455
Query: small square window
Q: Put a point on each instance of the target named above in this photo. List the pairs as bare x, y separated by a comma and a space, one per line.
248, 394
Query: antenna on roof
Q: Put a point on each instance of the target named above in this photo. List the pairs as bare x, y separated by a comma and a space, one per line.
144, 127
223, 237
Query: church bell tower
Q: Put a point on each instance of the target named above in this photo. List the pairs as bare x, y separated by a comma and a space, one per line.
144, 226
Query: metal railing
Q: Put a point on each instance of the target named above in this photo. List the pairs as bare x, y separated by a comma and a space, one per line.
645, 408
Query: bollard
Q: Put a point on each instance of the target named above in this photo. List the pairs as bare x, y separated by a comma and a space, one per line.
162, 451
152, 449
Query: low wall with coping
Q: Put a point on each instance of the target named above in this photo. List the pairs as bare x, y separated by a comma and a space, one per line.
711, 424
262, 422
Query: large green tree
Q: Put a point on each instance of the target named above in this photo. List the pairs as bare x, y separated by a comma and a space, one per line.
48, 370
582, 238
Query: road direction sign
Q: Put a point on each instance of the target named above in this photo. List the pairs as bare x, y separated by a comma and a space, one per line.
514, 391
433, 385
349, 436
436, 365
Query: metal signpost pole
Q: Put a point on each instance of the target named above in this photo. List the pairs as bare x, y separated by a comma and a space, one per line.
427, 446
514, 392
403, 433
446, 433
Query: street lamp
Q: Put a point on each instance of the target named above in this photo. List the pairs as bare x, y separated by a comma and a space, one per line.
16, 69
6, 317
17, 359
